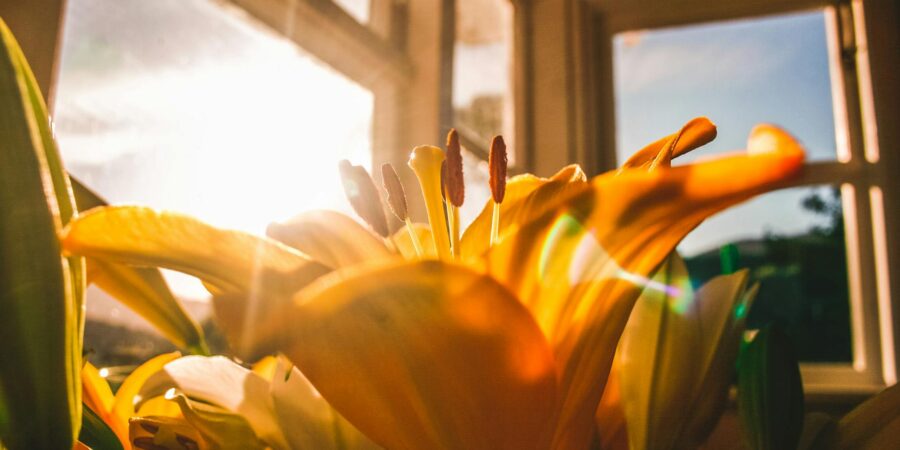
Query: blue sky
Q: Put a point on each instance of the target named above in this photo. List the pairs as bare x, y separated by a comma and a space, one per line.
738, 74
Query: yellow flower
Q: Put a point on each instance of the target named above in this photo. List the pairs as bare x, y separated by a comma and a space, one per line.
505, 340
273, 406
116, 410
675, 361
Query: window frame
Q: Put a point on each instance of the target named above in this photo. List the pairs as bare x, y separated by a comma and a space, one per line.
861, 174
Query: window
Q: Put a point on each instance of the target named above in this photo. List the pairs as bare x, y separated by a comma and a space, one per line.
740, 73
482, 97
812, 246
193, 106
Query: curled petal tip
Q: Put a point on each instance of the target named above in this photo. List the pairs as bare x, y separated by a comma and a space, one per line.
766, 138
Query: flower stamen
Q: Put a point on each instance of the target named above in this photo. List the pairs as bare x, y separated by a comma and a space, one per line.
497, 163
397, 203
455, 187
363, 196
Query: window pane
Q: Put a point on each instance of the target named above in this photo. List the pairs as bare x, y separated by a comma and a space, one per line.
359, 9
482, 64
192, 106
478, 189
738, 73
793, 243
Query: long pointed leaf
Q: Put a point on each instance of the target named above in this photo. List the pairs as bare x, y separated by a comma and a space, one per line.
65, 202
37, 308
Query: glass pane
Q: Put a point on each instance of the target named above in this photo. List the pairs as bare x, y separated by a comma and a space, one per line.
359, 9
738, 73
793, 243
190, 105
478, 189
482, 67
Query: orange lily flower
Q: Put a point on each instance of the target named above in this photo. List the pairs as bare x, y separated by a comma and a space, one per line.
504, 341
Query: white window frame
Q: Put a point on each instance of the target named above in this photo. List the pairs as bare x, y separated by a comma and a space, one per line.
863, 174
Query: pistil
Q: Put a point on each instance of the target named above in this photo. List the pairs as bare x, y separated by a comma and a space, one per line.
426, 162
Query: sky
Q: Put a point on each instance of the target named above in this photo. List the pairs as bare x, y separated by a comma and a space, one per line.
739, 73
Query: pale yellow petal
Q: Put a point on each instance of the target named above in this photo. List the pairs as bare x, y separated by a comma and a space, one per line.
403, 240
330, 238
230, 260
165, 433
418, 355
221, 429
657, 360
307, 419
220, 382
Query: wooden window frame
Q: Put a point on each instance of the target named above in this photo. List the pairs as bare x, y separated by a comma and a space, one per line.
406, 76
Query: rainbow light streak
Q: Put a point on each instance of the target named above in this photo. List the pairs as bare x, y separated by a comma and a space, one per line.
646, 283
588, 256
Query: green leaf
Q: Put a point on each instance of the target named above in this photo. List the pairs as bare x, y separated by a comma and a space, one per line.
770, 392
142, 289
96, 434
39, 382
65, 203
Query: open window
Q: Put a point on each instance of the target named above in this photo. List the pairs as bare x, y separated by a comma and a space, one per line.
815, 247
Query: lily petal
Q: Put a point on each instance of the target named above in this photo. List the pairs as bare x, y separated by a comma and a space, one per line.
98, 397
95, 390
677, 354
307, 419
218, 381
142, 236
612, 428
694, 134
164, 433
220, 428
330, 238
875, 424
527, 197
143, 290
407, 249
418, 355
581, 266
127, 395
